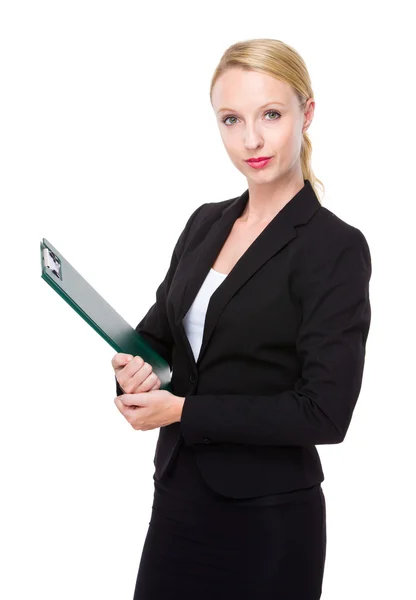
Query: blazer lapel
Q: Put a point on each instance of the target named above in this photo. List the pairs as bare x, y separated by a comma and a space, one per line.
275, 236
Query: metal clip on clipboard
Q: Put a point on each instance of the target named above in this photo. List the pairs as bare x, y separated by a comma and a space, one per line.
92, 307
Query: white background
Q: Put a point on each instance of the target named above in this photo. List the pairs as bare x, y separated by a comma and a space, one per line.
108, 143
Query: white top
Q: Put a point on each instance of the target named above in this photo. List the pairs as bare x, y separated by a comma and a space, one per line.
194, 319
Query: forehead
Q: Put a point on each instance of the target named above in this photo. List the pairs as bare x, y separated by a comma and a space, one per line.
247, 90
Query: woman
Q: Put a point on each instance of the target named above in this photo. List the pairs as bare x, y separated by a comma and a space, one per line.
263, 317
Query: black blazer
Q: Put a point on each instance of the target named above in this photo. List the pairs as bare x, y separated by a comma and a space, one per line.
282, 356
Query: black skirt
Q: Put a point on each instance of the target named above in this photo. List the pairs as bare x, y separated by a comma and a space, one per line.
202, 545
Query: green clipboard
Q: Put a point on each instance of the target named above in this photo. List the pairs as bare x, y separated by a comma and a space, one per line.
92, 307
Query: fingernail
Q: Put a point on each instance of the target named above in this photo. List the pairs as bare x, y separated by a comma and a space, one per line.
129, 358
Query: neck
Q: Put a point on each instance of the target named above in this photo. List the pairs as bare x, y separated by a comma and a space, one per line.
266, 200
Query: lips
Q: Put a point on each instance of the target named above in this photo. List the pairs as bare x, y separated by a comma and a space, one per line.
260, 159
259, 164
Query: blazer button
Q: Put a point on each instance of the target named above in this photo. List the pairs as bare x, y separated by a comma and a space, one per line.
192, 378
207, 440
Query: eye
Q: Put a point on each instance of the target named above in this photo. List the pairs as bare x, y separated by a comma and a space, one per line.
266, 113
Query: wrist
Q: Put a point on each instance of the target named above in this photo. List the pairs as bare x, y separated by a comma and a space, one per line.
180, 403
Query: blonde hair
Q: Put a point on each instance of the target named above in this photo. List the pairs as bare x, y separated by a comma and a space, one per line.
279, 60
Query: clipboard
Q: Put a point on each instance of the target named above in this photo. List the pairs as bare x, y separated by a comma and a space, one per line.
96, 311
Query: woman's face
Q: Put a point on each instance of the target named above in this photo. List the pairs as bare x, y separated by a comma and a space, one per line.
251, 130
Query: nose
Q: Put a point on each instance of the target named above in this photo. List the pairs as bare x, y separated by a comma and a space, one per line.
252, 138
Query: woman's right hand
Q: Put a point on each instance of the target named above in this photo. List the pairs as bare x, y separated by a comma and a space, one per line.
134, 375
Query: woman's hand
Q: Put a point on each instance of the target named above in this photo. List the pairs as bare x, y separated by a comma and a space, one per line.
133, 374
150, 410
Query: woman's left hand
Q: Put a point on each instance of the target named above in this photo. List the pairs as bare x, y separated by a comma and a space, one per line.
149, 410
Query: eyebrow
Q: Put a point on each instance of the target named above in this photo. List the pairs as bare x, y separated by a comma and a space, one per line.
263, 106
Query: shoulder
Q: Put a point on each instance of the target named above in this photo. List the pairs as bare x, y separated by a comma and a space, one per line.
326, 231
327, 244
214, 208
209, 211
205, 214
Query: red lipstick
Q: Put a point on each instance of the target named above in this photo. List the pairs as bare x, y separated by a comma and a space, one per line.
259, 163
259, 158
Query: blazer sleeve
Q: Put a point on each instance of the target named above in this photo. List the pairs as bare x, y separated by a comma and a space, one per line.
154, 327
332, 287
